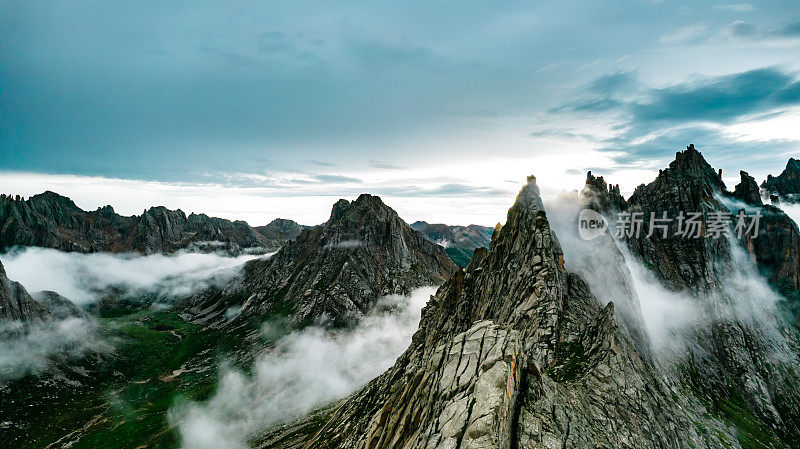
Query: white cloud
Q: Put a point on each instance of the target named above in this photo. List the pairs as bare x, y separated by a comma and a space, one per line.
23, 353
737, 7
82, 278
308, 368
420, 193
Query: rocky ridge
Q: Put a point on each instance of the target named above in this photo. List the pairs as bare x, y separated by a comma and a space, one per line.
460, 242
333, 272
785, 186
53, 221
513, 352
16, 305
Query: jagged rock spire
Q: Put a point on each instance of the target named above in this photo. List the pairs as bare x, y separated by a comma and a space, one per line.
747, 190
785, 186
513, 352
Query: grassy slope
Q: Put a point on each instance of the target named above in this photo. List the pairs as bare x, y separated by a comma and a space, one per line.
124, 400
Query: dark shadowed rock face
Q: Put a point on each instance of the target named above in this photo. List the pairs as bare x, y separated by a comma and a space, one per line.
747, 190
17, 305
777, 254
786, 185
606, 198
336, 271
689, 185
460, 242
53, 221
730, 359
59, 307
516, 352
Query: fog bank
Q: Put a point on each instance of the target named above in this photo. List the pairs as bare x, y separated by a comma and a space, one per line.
307, 369
82, 278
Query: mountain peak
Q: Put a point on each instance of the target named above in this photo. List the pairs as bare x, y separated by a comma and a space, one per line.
787, 184
603, 197
688, 182
529, 196
336, 271
747, 189
499, 349
691, 163
364, 204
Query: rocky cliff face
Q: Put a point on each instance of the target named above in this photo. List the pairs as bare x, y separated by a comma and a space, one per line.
336, 271
730, 357
731, 352
690, 184
604, 198
16, 305
786, 185
747, 190
53, 221
517, 352
59, 307
460, 242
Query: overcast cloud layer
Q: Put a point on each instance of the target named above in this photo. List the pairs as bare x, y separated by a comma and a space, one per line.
439, 101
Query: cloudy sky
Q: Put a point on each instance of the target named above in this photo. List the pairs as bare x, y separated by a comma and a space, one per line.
255, 110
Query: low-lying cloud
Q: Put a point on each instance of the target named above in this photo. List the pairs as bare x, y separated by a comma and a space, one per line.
671, 319
307, 369
23, 352
83, 278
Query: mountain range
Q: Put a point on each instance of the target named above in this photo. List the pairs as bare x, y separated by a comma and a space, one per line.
460, 242
517, 351
51, 220
536, 338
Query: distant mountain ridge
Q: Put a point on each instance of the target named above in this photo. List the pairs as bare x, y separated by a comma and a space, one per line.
460, 242
280, 230
54, 221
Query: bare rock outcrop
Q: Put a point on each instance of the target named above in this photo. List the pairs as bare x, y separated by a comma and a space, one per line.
785, 186
16, 305
747, 190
